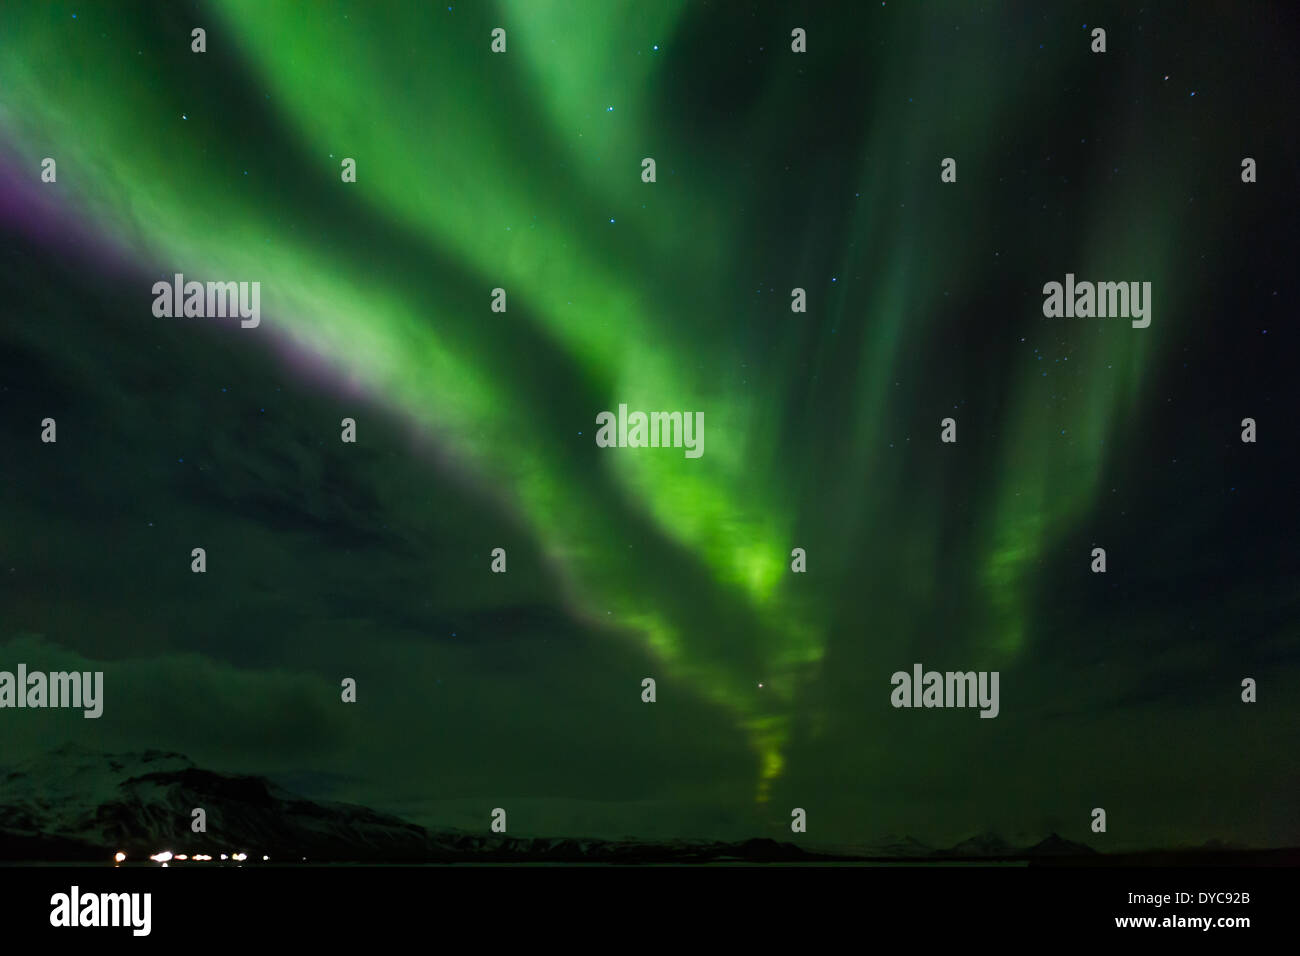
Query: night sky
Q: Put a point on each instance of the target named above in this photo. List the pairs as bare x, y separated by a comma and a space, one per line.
476, 429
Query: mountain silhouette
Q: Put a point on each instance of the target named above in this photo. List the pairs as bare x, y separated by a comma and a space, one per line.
75, 804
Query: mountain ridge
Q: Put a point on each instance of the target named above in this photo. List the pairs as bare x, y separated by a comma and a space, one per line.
74, 804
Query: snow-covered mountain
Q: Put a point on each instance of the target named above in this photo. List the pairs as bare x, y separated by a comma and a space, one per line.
75, 804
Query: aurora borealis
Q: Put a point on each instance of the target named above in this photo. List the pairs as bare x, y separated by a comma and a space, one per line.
775, 171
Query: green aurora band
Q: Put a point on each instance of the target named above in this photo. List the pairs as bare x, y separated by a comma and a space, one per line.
478, 170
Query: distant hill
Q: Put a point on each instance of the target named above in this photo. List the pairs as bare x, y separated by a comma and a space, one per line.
73, 804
